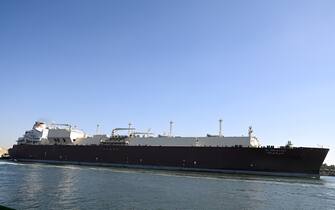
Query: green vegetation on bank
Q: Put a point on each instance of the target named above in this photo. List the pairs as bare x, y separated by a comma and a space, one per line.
327, 170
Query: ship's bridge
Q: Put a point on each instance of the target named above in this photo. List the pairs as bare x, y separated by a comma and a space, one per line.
35, 135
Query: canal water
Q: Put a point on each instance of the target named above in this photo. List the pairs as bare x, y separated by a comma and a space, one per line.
43, 186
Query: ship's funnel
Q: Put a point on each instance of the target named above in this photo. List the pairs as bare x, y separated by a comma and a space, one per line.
39, 126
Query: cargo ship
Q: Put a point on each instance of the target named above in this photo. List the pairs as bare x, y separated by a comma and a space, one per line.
125, 147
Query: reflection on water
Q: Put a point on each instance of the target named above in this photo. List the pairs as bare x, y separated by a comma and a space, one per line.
42, 186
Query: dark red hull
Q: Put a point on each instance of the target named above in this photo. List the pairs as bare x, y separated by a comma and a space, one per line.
299, 161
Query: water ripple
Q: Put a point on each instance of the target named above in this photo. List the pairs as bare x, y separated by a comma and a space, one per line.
42, 186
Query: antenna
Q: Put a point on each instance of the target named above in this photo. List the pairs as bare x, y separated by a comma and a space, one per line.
97, 131
170, 134
129, 130
220, 127
250, 131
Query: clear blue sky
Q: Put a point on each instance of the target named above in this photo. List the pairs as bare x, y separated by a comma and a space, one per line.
269, 64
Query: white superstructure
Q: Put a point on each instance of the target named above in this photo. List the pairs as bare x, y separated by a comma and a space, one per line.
35, 135
43, 133
213, 141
